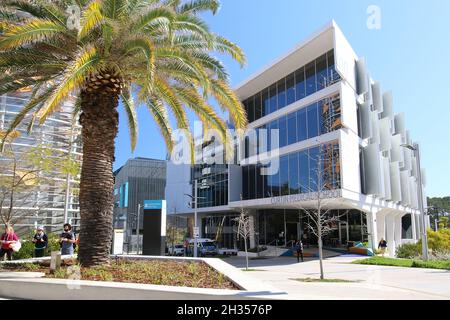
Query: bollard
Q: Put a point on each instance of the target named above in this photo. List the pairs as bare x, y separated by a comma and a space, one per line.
55, 262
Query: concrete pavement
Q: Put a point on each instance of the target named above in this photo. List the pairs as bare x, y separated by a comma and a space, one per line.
374, 282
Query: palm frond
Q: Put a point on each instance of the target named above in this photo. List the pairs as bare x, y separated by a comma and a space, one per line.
34, 31
159, 16
229, 102
130, 110
159, 113
74, 77
166, 92
196, 6
225, 46
92, 18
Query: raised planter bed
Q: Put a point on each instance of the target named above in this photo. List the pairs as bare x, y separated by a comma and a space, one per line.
242, 287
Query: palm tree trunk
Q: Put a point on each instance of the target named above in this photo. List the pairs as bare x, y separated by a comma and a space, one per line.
99, 120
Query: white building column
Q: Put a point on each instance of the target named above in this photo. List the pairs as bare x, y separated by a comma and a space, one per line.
390, 233
398, 229
413, 226
418, 226
252, 238
371, 218
381, 226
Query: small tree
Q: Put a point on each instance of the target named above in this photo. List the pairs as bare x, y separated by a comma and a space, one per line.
323, 179
244, 229
24, 173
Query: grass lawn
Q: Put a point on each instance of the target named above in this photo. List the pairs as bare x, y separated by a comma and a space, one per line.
159, 272
324, 280
409, 263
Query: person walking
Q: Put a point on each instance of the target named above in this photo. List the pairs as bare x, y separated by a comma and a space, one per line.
8, 240
66, 240
40, 241
299, 249
382, 245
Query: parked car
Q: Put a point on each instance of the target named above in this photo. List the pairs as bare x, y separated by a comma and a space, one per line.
205, 247
177, 250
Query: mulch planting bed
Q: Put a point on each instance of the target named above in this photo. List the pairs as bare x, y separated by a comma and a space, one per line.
159, 272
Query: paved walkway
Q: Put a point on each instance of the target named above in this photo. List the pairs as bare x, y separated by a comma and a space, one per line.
374, 282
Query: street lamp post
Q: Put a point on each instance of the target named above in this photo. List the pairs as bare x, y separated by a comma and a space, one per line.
137, 228
195, 199
416, 150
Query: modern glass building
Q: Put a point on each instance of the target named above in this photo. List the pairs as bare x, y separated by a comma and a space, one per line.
336, 134
55, 199
139, 179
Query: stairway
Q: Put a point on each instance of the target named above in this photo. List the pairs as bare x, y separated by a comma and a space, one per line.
273, 251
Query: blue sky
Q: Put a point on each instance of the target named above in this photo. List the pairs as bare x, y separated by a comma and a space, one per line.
409, 55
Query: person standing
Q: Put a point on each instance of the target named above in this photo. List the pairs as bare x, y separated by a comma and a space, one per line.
66, 240
8, 239
305, 239
40, 241
382, 245
299, 250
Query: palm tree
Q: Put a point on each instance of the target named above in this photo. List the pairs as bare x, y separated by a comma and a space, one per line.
160, 50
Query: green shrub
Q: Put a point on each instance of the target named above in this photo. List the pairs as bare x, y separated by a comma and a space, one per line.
27, 249
439, 241
409, 250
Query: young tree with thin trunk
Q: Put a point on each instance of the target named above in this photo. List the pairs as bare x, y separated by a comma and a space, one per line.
106, 51
322, 182
244, 230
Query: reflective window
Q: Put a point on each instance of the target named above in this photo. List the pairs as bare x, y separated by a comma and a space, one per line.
258, 106
290, 89
273, 126
330, 114
266, 102
251, 182
310, 76
292, 128
284, 175
245, 183
300, 85
281, 93
313, 126
321, 69
332, 74
294, 186
298, 173
302, 131
275, 184
282, 125
273, 99
316, 75
259, 182
303, 162
251, 110
314, 159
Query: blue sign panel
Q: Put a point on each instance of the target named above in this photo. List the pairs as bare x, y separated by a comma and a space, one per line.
152, 204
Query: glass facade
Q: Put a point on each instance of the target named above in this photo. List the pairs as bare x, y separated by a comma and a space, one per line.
222, 229
297, 174
212, 184
283, 226
316, 75
318, 118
